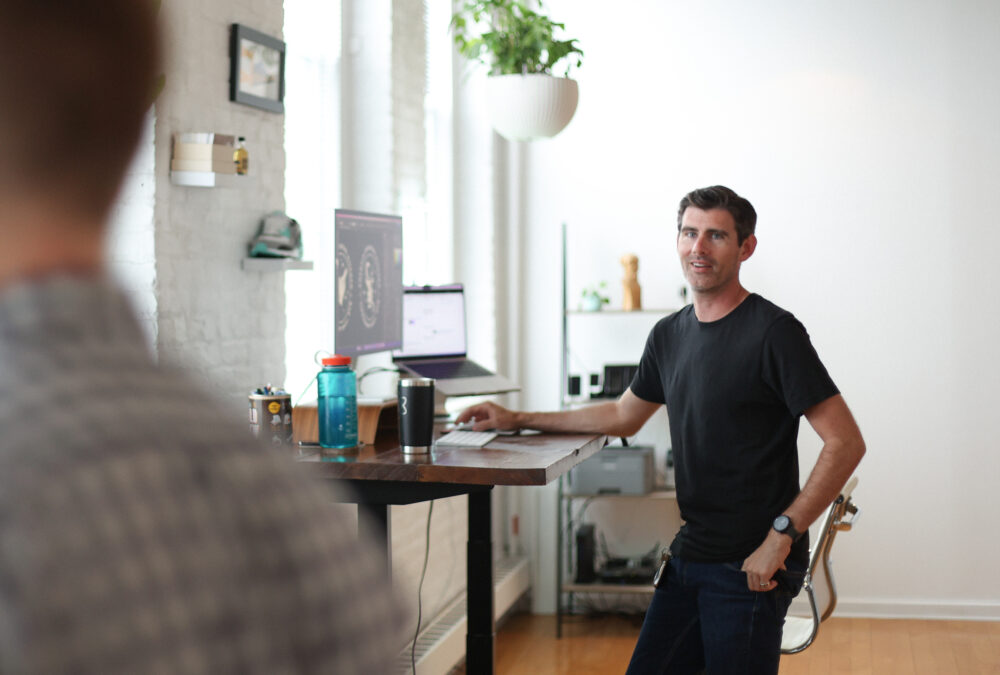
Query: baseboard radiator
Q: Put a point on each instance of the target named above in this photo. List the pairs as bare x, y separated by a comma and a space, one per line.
441, 646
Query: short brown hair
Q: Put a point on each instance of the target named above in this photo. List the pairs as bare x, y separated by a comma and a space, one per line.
721, 197
76, 78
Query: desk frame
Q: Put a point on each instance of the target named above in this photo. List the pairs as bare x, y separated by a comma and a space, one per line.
381, 476
375, 497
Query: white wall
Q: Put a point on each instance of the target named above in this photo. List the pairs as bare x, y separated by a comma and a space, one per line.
866, 136
178, 252
225, 324
129, 242
867, 139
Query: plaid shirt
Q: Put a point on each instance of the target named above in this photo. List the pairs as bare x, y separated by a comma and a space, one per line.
142, 532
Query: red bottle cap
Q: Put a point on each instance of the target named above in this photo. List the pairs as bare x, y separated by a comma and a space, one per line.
337, 360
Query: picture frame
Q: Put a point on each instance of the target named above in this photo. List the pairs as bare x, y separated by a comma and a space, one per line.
257, 69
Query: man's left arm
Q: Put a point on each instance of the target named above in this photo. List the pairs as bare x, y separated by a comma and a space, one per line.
843, 449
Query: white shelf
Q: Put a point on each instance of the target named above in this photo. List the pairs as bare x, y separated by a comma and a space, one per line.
275, 264
205, 179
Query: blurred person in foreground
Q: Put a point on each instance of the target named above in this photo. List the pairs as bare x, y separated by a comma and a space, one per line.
140, 531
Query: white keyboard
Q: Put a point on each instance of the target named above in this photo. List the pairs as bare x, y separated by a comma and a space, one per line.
468, 439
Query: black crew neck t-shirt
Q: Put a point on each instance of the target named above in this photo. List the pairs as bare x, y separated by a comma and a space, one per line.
734, 390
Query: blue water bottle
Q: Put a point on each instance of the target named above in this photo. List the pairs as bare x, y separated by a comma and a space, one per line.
338, 403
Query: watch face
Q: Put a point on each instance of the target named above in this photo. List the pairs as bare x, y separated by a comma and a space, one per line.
781, 523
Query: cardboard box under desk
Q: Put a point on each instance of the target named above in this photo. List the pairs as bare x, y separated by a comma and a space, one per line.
374, 421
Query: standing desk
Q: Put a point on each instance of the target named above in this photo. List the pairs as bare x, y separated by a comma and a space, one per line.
380, 475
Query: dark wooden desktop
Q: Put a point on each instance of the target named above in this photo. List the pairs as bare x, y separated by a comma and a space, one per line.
380, 475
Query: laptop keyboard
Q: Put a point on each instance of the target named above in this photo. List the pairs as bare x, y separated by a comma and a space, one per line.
449, 370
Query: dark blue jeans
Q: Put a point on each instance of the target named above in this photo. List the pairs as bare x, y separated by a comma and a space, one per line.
704, 618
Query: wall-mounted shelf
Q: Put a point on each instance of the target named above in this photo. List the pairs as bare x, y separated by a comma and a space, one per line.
205, 179
275, 264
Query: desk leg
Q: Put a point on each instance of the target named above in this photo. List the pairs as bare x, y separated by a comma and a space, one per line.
378, 515
479, 642
559, 558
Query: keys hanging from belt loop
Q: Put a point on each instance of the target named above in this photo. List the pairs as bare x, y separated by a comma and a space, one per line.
660, 576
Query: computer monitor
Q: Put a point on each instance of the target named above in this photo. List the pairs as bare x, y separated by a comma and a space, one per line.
368, 286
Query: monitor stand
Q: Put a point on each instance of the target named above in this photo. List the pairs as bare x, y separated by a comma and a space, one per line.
375, 420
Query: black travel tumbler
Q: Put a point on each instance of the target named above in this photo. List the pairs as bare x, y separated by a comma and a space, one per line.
416, 414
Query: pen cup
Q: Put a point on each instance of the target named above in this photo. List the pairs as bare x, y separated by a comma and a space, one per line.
416, 414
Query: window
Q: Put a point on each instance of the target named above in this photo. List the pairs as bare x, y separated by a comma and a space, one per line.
370, 130
312, 171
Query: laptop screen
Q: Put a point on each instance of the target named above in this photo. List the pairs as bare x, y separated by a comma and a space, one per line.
433, 322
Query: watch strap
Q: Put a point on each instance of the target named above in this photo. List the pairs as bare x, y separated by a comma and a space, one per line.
789, 527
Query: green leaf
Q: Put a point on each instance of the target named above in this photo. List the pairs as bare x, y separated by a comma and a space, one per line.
510, 38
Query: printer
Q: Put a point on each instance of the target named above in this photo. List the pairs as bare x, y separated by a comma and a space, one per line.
614, 470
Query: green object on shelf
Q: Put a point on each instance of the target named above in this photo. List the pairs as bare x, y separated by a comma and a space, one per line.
593, 297
278, 237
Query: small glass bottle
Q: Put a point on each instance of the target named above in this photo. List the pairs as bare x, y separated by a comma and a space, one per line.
241, 157
338, 403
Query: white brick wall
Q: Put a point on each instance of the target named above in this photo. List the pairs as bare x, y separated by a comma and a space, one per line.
177, 250
129, 243
225, 324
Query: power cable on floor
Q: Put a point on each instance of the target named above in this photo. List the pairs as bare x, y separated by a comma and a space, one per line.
420, 586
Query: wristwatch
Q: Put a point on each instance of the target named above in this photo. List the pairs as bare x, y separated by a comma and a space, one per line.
783, 524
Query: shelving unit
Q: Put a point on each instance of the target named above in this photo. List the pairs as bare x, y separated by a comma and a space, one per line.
588, 316
569, 588
566, 500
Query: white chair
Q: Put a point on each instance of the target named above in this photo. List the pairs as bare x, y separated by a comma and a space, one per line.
819, 587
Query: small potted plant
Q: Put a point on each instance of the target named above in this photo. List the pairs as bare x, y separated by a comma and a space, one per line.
593, 298
519, 47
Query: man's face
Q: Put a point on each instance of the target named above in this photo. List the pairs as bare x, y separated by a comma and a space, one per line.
709, 252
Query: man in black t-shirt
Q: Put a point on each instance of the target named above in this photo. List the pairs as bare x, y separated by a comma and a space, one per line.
736, 373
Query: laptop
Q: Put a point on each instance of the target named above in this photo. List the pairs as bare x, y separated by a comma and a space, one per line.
434, 343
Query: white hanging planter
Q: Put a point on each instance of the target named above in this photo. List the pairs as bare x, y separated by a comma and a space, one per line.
526, 107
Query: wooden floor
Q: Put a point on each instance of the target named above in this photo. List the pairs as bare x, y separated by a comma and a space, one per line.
527, 644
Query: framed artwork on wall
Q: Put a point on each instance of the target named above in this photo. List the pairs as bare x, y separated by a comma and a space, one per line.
257, 69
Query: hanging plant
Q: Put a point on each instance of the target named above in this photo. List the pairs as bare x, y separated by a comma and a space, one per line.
518, 45
511, 39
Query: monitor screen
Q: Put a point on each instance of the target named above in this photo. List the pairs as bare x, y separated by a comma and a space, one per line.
433, 322
368, 287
